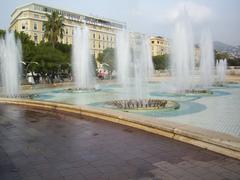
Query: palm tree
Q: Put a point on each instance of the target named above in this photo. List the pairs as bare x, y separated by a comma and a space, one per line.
54, 27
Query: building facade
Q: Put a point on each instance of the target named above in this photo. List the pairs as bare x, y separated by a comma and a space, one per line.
159, 45
197, 55
31, 17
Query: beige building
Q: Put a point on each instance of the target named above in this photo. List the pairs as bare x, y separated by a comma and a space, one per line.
159, 45
197, 54
29, 19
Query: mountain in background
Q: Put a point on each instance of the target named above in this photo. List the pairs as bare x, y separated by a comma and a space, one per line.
232, 50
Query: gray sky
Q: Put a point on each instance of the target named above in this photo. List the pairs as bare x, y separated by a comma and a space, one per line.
153, 17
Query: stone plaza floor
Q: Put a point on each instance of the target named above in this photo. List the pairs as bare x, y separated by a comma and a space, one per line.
42, 145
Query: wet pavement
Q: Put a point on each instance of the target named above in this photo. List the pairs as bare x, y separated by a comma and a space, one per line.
42, 145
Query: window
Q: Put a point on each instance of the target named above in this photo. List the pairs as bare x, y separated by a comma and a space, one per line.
99, 37
43, 17
158, 42
99, 46
66, 30
43, 27
35, 38
103, 37
94, 35
152, 42
23, 26
35, 26
66, 40
36, 16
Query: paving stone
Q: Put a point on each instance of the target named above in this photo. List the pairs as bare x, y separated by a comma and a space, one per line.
37, 144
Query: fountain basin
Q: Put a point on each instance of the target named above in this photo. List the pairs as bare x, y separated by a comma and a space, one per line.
19, 96
143, 104
81, 90
198, 91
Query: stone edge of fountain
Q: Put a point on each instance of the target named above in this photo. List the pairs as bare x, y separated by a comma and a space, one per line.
214, 141
143, 104
79, 90
19, 96
199, 91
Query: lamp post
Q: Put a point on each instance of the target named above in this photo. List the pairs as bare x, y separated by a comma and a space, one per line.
30, 64
27, 66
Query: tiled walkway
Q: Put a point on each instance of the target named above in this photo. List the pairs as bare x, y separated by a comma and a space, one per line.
36, 145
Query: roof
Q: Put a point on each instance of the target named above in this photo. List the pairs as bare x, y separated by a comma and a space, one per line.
58, 9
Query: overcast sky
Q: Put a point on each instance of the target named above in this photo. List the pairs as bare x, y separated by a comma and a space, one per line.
153, 17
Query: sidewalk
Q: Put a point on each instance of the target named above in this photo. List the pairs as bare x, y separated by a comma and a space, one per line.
35, 144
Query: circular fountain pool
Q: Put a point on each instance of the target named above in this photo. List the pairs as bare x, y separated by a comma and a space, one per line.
217, 111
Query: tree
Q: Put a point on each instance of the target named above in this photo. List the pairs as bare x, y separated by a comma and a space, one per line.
160, 62
100, 58
54, 27
2, 33
107, 57
49, 60
221, 55
233, 62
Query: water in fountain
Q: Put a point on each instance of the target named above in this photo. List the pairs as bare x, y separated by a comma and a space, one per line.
134, 64
82, 65
207, 60
123, 59
221, 68
142, 65
10, 62
182, 55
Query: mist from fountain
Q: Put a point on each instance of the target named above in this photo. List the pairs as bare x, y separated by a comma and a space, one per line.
123, 59
82, 64
221, 68
182, 53
134, 64
207, 60
10, 64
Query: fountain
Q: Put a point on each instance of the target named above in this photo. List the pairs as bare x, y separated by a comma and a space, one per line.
123, 62
207, 60
182, 55
183, 60
10, 65
134, 70
221, 67
82, 65
134, 64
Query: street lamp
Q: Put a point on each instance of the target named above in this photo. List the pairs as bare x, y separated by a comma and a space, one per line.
28, 65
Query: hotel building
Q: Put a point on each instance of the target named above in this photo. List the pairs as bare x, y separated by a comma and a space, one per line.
31, 17
160, 45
